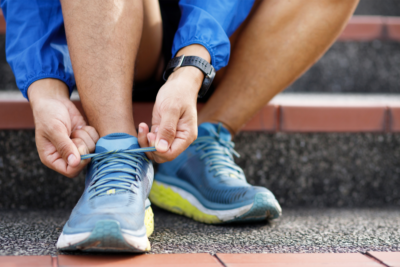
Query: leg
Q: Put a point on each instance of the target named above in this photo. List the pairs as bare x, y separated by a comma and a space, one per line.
278, 42
103, 39
149, 54
113, 214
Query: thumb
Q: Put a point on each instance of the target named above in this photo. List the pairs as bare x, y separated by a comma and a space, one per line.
66, 148
167, 129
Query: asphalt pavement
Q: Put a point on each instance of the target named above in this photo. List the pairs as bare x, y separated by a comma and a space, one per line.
301, 230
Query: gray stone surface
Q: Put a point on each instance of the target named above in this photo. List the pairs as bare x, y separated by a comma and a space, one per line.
25, 182
380, 7
313, 170
351, 67
299, 230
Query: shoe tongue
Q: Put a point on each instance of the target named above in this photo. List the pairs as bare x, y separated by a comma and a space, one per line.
210, 129
116, 141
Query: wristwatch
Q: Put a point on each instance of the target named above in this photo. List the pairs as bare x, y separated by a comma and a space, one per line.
198, 62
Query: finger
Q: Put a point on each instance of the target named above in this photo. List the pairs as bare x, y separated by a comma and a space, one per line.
51, 158
151, 137
142, 135
185, 135
64, 145
92, 133
78, 127
180, 144
167, 130
87, 140
154, 128
72, 171
62, 167
83, 150
142, 138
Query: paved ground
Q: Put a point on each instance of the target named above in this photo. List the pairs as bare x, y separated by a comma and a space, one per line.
299, 230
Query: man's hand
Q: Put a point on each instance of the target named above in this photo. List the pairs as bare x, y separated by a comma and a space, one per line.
174, 122
61, 132
174, 116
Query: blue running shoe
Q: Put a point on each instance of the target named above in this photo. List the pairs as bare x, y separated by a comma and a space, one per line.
205, 184
114, 213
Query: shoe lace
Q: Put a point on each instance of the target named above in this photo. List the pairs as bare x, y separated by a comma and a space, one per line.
103, 165
219, 154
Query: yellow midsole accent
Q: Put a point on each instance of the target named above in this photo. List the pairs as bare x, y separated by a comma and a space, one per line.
149, 221
168, 199
148, 248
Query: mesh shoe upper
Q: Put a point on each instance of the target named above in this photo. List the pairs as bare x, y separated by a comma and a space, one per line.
118, 182
207, 170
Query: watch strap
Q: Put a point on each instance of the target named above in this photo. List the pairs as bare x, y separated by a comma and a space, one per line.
194, 61
183, 61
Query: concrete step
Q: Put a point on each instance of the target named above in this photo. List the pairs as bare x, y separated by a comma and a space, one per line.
287, 112
321, 151
383, 8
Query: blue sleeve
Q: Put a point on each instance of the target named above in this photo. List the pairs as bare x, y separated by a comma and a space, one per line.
210, 23
36, 46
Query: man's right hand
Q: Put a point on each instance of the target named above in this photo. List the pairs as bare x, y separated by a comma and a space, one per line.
61, 132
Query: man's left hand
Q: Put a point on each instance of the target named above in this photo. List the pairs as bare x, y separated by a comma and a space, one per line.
174, 122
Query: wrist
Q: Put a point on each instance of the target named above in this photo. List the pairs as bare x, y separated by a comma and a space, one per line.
192, 75
47, 88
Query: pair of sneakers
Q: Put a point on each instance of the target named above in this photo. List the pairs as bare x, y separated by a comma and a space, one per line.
114, 213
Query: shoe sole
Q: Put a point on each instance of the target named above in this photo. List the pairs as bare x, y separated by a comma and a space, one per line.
107, 236
179, 201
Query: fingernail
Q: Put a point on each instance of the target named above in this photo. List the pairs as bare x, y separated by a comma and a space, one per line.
71, 158
156, 130
79, 127
163, 145
140, 129
148, 139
